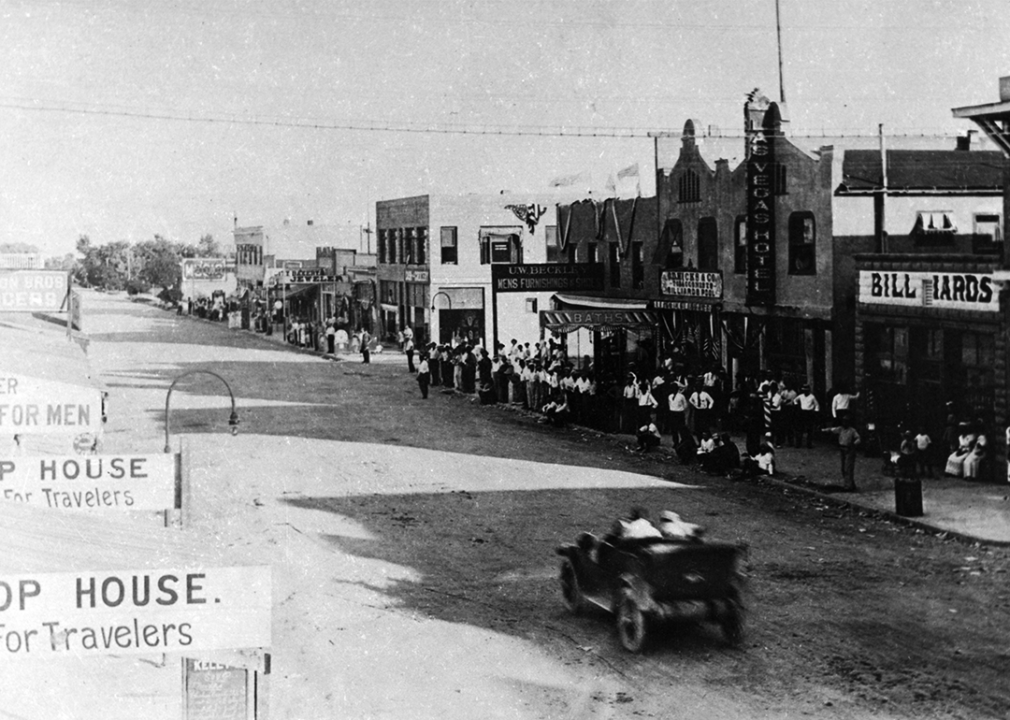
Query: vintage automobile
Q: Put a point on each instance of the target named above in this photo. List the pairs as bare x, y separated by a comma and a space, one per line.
649, 582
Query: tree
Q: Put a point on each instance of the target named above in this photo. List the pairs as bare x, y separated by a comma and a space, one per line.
67, 262
208, 247
18, 248
158, 262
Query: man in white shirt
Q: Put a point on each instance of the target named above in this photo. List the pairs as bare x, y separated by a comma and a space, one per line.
807, 420
842, 402
702, 403
677, 404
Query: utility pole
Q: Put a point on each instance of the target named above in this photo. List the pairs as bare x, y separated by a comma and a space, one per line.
778, 33
367, 230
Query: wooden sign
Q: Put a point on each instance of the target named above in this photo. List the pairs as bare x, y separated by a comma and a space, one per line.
124, 612
33, 290
30, 405
90, 482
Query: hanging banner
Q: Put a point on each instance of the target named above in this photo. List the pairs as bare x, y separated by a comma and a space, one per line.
128, 612
31, 405
760, 216
33, 290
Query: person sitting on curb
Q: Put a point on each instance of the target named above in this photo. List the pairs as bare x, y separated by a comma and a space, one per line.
648, 436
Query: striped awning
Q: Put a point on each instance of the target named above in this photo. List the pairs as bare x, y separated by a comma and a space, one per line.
591, 318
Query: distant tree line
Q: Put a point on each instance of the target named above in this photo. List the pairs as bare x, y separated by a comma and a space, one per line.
134, 267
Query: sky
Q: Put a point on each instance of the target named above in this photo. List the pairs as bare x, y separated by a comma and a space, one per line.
123, 119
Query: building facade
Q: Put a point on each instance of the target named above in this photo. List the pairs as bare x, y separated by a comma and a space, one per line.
434, 259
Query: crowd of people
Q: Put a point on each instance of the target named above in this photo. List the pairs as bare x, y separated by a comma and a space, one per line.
695, 411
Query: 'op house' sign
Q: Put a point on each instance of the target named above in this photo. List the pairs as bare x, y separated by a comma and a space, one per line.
952, 291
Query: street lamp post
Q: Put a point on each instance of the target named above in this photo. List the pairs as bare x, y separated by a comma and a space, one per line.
232, 419
448, 299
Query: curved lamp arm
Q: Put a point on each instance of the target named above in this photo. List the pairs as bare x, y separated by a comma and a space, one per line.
232, 419
447, 298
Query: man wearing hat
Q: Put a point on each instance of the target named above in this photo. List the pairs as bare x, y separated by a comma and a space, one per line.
809, 409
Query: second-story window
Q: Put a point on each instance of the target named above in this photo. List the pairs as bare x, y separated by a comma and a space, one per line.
708, 244
422, 245
499, 246
449, 242
551, 241
802, 244
637, 266
592, 252
615, 265
671, 245
740, 244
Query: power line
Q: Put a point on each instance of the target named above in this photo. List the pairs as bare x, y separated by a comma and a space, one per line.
435, 128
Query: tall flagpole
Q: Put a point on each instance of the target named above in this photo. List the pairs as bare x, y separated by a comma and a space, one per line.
778, 33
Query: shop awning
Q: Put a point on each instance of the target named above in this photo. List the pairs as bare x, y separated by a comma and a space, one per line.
298, 290
596, 319
574, 302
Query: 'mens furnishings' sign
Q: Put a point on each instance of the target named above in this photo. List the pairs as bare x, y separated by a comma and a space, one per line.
952, 291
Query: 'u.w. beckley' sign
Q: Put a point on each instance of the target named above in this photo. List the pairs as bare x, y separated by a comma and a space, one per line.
90, 482
134, 612
31, 405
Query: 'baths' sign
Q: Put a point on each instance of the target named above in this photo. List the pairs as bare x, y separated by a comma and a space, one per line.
954, 291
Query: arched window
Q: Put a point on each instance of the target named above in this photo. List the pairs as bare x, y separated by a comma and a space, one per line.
689, 187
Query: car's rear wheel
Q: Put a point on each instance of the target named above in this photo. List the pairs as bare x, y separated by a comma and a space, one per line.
571, 592
732, 619
632, 626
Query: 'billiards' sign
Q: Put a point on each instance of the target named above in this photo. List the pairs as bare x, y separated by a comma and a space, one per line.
953, 291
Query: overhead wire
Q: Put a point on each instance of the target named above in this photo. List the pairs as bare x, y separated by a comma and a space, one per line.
433, 128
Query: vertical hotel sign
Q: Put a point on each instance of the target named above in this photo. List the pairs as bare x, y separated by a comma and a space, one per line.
760, 216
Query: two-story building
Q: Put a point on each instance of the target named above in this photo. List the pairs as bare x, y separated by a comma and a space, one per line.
435, 257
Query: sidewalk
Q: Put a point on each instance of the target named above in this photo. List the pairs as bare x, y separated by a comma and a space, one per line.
971, 510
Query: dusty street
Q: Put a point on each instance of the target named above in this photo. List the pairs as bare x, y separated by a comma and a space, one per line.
413, 549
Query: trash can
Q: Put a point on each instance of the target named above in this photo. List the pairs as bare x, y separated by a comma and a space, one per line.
908, 496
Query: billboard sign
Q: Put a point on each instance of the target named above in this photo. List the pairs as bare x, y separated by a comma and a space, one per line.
124, 612
33, 290
90, 482
206, 268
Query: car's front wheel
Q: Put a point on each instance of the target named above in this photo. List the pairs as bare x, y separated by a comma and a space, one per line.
632, 625
571, 592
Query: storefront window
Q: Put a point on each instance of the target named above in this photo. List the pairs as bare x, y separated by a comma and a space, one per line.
978, 355
887, 353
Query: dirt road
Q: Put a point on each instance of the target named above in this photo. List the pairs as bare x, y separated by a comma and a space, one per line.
425, 587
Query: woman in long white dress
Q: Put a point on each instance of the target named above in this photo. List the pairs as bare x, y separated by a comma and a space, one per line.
973, 463
955, 461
